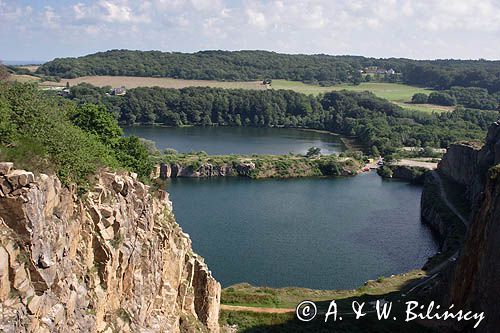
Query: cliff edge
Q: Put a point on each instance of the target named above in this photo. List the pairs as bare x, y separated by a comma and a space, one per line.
472, 282
111, 260
475, 282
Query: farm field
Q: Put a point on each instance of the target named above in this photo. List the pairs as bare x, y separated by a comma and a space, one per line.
23, 78
396, 92
425, 107
134, 82
399, 93
31, 68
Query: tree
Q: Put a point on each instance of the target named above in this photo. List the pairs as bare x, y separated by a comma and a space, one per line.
419, 98
313, 152
7, 128
132, 154
442, 98
96, 120
356, 78
375, 152
4, 73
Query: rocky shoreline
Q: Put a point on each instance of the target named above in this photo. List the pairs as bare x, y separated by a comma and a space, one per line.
257, 166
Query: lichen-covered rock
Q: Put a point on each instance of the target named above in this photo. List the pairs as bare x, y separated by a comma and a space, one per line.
112, 260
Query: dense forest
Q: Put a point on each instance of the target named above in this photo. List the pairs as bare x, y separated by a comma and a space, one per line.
47, 134
376, 122
259, 65
470, 97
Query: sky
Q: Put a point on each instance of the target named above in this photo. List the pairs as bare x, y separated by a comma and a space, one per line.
426, 29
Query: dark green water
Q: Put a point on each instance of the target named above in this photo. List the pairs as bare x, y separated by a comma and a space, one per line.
317, 232
238, 140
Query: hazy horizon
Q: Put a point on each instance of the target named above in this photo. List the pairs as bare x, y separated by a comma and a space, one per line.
43, 30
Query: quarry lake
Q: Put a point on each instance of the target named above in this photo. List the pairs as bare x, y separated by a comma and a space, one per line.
238, 140
324, 233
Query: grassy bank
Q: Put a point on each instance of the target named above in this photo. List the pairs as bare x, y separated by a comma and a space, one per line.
248, 295
390, 289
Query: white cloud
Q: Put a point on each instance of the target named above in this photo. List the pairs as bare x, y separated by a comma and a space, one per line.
256, 18
119, 11
369, 27
50, 18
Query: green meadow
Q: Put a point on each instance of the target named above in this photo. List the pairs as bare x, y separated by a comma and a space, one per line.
399, 93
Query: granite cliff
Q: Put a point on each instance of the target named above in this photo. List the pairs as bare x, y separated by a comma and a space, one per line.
113, 259
472, 281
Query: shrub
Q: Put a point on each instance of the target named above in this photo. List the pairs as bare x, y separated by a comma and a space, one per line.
442, 98
419, 98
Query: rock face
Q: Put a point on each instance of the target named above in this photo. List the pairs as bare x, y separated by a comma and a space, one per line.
473, 282
405, 172
111, 260
467, 164
206, 170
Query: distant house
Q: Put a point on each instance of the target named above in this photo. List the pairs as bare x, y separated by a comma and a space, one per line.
376, 70
64, 92
118, 91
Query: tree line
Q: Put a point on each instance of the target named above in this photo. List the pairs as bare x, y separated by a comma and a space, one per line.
470, 97
376, 122
259, 65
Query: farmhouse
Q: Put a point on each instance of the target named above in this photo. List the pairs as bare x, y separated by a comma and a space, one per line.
376, 70
118, 91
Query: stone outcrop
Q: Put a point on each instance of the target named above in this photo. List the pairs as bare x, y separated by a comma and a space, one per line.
468, 163
408, 173
265, 167
206, 170
473, 281
113, 259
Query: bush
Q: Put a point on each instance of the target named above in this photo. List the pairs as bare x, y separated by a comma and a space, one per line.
419, 98
385, 172
133, 155
44, 133
44, 137
442, 98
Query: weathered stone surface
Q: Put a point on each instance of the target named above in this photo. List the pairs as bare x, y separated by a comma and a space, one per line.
473, 281
4, 274
19, 178
113, 260
5, 167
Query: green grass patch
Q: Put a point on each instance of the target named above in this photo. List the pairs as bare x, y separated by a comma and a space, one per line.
247, 295
396, 92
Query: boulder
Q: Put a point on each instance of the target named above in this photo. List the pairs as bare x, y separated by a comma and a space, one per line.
5, 167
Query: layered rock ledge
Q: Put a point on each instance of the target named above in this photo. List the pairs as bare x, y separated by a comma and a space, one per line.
111, 260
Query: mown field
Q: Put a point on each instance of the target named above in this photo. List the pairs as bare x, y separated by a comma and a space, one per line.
399, 93
134, 82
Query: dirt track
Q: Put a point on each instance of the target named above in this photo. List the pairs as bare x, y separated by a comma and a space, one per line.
254, 309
